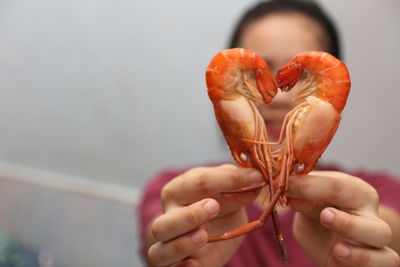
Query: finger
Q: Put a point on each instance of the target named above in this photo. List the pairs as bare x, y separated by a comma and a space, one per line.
233, 202
199, 183
365, 230
188, 263
184, 219
335, 188
161, 254
366, 257
301, 205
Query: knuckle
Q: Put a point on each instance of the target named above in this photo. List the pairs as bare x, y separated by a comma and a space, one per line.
237, 177
386, 234
336, 188
202, 184
179, 248
302, 184
372, 195
345, 225
193, 173
298, 186
157, 229
166, 193
192, 217
359, 257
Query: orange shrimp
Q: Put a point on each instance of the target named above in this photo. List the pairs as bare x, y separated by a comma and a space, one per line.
321, 97
238, 80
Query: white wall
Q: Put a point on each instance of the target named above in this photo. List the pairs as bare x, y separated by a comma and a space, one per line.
114, 90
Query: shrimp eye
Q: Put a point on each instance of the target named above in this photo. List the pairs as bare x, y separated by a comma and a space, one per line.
299, 167
243, 156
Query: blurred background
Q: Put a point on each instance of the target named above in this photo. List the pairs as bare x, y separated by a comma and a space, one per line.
97, 96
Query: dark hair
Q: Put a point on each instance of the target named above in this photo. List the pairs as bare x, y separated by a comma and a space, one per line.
308, 8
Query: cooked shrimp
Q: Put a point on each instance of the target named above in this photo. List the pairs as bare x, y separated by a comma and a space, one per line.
238, 80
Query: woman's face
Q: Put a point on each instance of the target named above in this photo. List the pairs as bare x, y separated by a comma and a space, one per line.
278, 38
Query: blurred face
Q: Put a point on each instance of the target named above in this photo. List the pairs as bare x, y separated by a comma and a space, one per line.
278, 38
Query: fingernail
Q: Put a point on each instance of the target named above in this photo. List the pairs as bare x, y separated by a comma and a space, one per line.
255, 177
199, 237
327, 216
211, 206
343, 251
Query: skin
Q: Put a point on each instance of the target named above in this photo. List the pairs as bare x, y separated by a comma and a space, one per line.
338, 222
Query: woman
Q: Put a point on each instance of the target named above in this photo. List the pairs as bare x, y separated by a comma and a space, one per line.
336, 219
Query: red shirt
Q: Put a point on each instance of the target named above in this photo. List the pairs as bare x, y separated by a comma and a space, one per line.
260, 248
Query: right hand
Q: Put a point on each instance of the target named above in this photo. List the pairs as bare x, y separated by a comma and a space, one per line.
194, 209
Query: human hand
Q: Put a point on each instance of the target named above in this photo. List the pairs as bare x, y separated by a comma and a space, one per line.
338, 223
194, 209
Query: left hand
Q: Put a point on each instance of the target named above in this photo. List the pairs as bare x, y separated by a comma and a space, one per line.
338, 222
